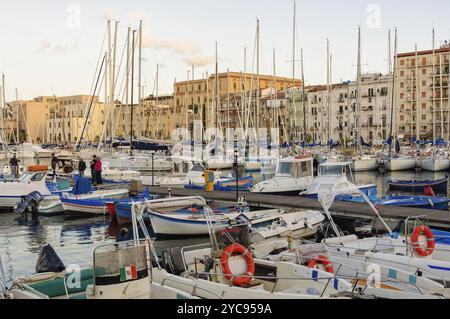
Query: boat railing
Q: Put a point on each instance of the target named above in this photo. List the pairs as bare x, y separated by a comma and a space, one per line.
417, 270
359, 274
192, 285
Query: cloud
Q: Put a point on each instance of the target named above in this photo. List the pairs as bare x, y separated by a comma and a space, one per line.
48, 47
190, 51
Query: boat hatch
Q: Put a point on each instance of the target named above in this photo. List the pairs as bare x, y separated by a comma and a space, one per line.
297, 169
115, 264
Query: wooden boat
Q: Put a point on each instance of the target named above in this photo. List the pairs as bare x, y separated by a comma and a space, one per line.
439, 186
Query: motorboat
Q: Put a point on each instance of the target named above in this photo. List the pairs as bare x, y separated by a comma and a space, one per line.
195, 176
32, 180
336, 175
292, 177
140, 164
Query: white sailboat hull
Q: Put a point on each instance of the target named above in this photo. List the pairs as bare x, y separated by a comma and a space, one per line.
435, 165
363, 165
400, 164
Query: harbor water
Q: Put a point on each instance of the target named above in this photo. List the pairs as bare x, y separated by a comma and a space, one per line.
75, 239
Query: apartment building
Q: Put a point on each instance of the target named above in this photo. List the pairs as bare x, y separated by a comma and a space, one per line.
422, 104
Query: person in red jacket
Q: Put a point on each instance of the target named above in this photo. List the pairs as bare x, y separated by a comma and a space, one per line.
98, 171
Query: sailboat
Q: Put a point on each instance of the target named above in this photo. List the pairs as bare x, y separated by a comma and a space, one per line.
438, 160
362, 162
397, 162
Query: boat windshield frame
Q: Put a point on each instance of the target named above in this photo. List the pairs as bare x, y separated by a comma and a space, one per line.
296, 169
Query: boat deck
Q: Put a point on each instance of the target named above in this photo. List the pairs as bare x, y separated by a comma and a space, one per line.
434, 218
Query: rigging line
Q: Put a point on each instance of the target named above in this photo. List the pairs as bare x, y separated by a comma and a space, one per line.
90, 105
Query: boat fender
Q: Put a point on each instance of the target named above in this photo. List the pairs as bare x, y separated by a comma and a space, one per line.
312, 263
251, 268
431, 241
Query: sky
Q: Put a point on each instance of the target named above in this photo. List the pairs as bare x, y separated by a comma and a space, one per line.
52, 47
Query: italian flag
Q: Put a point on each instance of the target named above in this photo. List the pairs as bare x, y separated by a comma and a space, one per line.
128, 273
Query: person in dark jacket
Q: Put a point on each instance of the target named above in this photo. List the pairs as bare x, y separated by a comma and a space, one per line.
14, 164
81, 167
93, 162
55, 162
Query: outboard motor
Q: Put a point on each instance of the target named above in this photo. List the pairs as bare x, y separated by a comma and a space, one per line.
172, 261
29, 203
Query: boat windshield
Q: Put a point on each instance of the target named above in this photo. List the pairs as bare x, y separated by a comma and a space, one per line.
198, 168
295, 169
331, 170
117, 262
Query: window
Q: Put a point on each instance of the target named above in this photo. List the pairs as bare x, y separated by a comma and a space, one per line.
424, 117
402, 95
424, 106
424, 94
424, 61
402, 73
424, 83
402, 85
424, 71
402, 62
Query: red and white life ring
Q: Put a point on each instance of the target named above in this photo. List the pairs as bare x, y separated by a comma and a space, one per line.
322, 260
238, 249
431, 242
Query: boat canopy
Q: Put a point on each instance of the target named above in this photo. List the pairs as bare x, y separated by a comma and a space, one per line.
297, 168
334, 168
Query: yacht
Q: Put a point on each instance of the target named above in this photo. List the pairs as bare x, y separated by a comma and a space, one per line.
337, 175
293, 176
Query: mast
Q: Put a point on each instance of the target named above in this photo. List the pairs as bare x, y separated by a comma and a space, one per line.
359, 141
303, 99
3, 106
17, 117
216, 108
328, 95
434, 83
113, 81
294, 49
140, 80
127, 77
392, 131
417, 95
258, 101
186, 107
274, 85
244, 93
156, 135
228, 98
390, 74
132, 93
441, 95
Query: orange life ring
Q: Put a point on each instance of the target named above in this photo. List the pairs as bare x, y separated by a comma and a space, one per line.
238, 249
322, 260
431, 242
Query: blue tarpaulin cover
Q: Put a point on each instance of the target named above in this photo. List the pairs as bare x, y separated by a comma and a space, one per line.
82, 185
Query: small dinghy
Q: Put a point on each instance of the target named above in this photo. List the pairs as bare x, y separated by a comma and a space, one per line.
418, 187
92, 206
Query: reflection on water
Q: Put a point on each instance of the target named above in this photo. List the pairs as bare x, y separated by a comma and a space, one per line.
75, 239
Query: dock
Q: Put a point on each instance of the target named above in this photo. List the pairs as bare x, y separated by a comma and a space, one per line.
433, 218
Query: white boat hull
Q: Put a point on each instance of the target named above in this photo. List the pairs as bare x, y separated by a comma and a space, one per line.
364, 165
435, 165
398, 164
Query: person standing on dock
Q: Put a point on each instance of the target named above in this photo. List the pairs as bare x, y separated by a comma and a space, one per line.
81, 167
54, 164
14, 164
98, 172
93, 162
